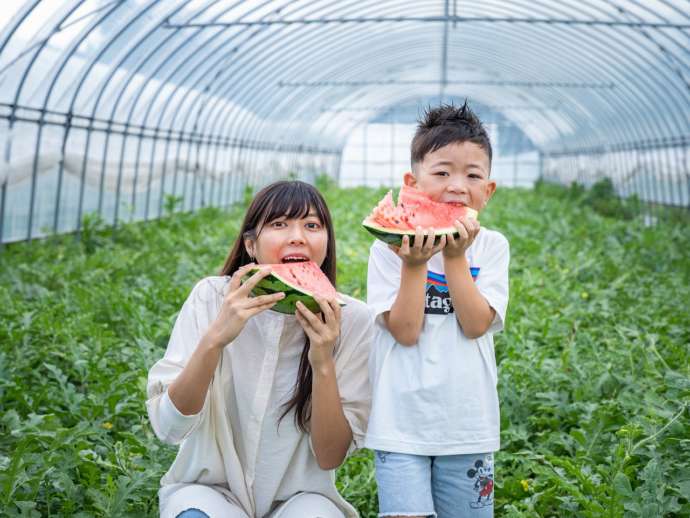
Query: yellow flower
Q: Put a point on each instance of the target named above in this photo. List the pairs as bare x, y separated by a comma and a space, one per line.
525, 484
584, 295
107, 425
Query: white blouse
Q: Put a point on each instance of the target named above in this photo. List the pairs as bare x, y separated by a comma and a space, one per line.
235, 443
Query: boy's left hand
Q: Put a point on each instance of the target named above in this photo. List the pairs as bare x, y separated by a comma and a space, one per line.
468, 228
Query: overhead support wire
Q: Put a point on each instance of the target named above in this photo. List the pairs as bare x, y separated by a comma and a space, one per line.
431, 19
516, 107
481, 82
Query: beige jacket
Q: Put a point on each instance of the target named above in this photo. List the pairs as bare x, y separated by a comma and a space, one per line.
235, 443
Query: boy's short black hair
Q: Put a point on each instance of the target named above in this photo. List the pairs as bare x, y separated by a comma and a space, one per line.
445, 125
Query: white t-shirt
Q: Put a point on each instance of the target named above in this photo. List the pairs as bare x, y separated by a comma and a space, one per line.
437, 397
234, 444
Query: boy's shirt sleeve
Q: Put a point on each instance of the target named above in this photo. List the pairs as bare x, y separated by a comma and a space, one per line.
492, 280
383, 278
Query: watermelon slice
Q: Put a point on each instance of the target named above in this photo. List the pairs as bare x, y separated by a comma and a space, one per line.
300, 281
389, 222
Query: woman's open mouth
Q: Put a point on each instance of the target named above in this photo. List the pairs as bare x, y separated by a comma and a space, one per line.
294, 258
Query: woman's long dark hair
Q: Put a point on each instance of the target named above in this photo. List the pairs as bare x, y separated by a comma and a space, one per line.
291, 199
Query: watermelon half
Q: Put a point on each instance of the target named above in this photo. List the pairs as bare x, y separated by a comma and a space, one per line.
389, 222
300, 281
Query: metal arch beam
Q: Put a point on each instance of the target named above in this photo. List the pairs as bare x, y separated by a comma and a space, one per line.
191, 108
194, 102
56, 71
433, 19
61, 15
376, 96
638, 50
369, 96
674, 64
85, 74
154, 99
18, 18
13, 25
132, 73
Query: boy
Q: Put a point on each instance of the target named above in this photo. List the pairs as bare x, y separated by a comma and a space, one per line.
434, 422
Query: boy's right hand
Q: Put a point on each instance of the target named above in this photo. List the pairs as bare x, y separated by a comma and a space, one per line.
422, 248
238, 306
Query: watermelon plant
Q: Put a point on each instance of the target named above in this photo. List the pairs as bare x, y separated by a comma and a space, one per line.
594, 375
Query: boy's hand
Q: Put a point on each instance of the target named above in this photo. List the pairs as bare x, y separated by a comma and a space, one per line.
421, 250
468, 228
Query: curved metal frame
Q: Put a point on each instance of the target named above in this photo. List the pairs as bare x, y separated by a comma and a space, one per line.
290, 72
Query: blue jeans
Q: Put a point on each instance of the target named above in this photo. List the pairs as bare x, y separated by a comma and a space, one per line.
192, 513
446, 486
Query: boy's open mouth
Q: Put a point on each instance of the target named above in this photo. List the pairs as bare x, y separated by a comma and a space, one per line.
294, 258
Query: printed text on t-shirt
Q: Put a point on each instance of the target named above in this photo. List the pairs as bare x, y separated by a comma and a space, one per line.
437, 300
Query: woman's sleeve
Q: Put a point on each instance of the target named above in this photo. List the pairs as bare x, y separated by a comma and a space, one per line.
353, 373
383, 278
168, 423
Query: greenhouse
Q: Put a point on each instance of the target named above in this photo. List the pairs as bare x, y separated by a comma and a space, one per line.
137, 135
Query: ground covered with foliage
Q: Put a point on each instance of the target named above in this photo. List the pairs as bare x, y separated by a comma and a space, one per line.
594, 375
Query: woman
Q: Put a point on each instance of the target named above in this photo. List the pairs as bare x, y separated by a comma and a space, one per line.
264, 405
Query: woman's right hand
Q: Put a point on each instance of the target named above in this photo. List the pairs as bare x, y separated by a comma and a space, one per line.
238, 306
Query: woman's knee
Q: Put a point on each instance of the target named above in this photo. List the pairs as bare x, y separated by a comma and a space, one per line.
200, 501
308, 505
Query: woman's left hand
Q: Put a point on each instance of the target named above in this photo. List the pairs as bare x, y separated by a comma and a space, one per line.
322, 330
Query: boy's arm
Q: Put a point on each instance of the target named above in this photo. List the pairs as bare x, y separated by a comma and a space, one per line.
473, 312
406, 316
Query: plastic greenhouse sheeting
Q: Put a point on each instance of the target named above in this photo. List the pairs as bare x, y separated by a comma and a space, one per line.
112, 105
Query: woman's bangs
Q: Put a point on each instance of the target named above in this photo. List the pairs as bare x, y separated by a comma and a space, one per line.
292, 204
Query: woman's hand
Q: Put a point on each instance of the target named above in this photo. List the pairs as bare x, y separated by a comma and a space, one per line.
238, 306
422, 249
468, 228
322, 330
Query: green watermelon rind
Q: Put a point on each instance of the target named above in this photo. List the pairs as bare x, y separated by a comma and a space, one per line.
393, 236
274, 283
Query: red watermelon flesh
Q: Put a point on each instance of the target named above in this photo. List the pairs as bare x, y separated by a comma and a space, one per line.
415, 208
305, 275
